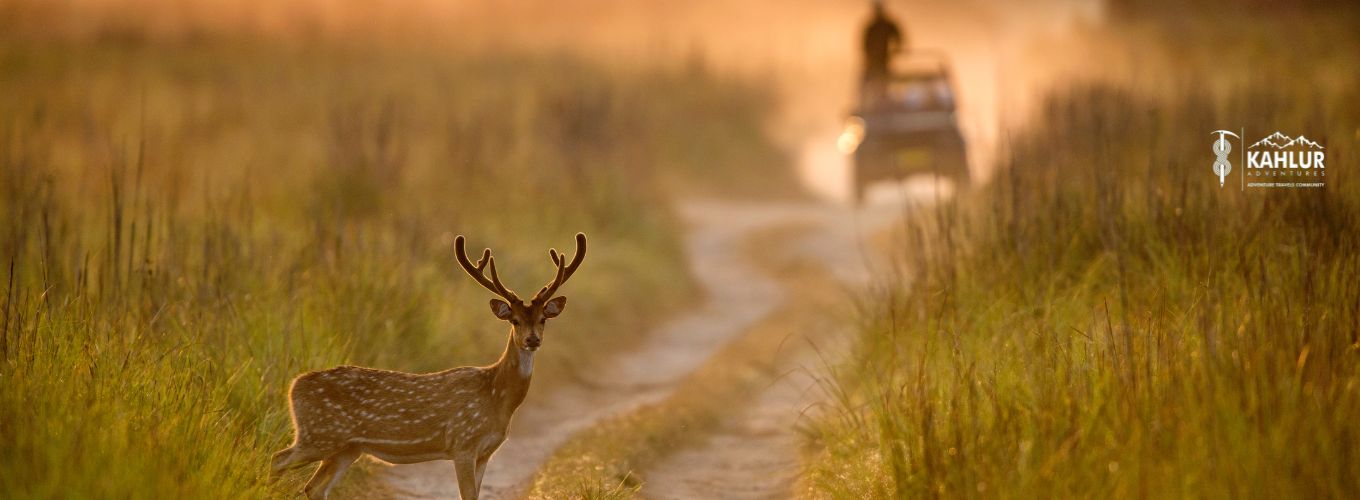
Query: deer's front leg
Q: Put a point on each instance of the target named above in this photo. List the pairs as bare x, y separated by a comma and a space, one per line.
328, 475
481, 468
465, 466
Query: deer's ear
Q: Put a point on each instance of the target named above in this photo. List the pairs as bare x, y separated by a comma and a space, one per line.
554, 307
500, 309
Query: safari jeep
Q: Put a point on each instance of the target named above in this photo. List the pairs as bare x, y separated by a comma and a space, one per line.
904, 126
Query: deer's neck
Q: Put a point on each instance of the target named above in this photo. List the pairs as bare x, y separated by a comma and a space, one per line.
511, 375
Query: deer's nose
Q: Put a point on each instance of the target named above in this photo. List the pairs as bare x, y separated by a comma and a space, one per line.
532, 342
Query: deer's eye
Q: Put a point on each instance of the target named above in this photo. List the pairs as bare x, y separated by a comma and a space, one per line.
514, 322
543, 321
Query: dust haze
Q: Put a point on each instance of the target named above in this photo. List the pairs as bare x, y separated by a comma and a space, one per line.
807, 50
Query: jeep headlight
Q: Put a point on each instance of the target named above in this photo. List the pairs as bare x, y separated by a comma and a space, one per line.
851, 135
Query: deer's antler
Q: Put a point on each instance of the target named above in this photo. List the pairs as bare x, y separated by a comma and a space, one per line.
478, 272
564, 270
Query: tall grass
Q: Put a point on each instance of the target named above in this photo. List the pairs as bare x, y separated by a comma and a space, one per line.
1105, 321
187, 226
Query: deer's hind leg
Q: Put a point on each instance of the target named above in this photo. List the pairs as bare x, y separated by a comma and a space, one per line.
329, 474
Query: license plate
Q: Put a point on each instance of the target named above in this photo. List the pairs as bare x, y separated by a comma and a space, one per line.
915, 159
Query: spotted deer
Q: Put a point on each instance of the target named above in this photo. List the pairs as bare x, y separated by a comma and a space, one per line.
460, 414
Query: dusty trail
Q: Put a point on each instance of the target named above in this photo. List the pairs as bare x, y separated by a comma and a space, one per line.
754, 451
737, 296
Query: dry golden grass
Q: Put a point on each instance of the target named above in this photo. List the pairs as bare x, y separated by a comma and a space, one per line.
1106, 321
188, 225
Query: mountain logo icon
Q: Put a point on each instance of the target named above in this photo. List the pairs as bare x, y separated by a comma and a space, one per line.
1278, 140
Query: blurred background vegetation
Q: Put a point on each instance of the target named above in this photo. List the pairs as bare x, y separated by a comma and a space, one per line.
191, 222
1104, 320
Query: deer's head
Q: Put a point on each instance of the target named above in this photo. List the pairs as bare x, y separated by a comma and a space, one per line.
526, 318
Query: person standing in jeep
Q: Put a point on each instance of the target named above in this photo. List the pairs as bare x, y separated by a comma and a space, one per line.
882, 39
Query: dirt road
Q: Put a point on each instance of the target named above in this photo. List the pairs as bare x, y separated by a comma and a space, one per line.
737, 295
754, 451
